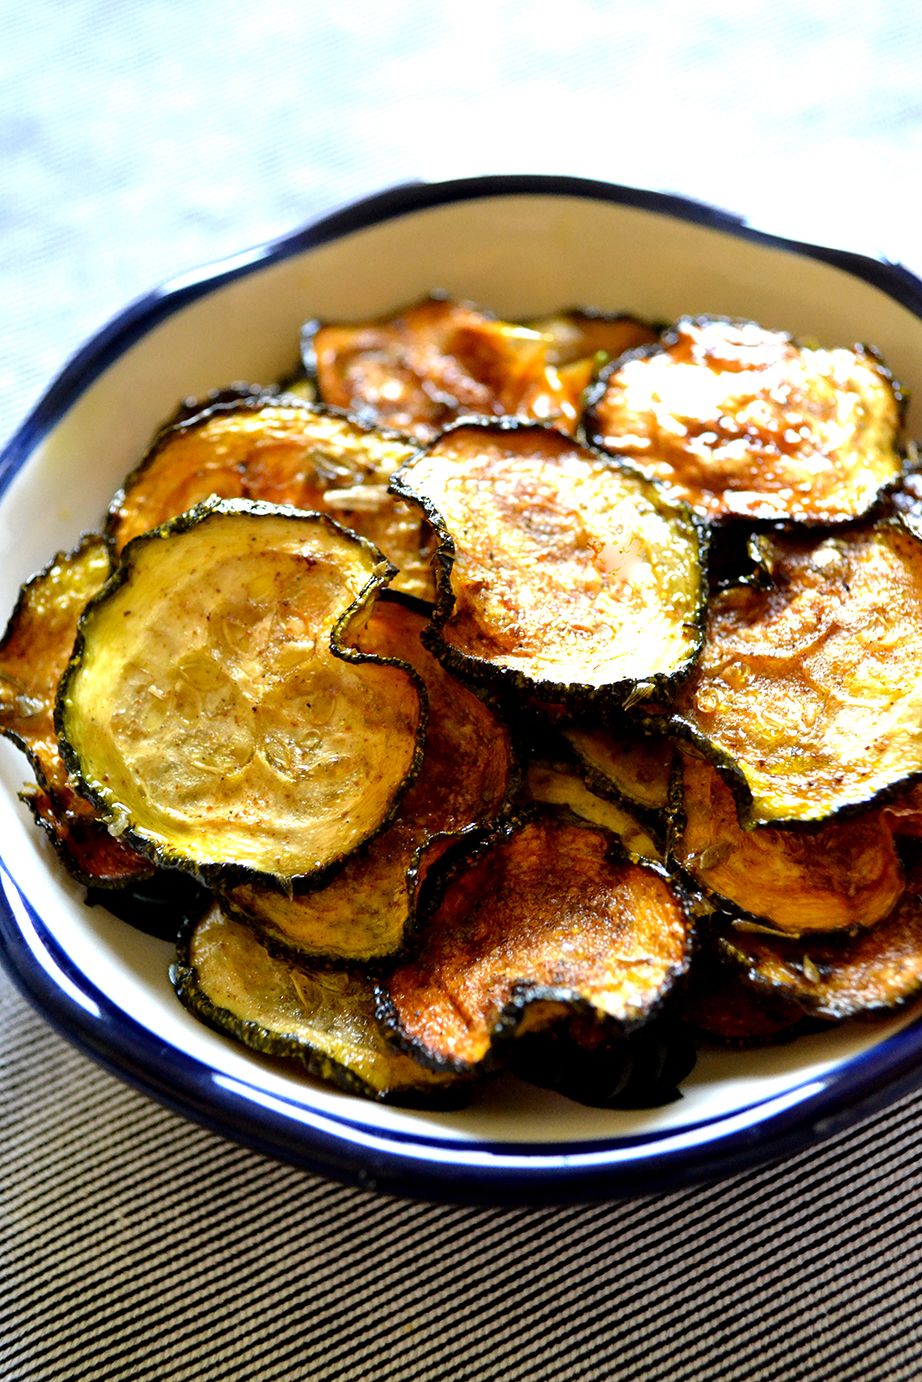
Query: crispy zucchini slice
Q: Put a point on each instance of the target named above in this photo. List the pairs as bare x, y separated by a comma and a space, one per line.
582, 331
579, 342
589, 1062
870, 973
559, 573
844, 875
226, 397
624, 763
555, 786
808, 694
420, 369
571, 382
33, 655
159, 906
545, 918
324, 1019
282, 452
211, 710
721, 1006
742, 422
467, 773
904, 812
35, 648
82, 840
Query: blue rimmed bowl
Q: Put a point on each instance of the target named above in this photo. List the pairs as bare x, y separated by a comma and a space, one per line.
522, 246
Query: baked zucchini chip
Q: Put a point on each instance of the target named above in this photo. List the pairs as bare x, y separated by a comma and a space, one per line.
589, 1063
211, 710
419, 370
841, 976
582, 331
226, 397
35, 648
721, 1006
808, 694
33, 655
282, 452
579, 343
82, 840
625, 763
467, 774
743, 422
556, 786
159, 906
545, 919
559, 573
843, 875
324, 1019
904, 812
296, 384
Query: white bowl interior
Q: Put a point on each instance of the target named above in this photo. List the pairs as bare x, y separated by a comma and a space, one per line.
520, 255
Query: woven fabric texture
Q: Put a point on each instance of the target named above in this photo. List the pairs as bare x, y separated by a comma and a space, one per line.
139, 1246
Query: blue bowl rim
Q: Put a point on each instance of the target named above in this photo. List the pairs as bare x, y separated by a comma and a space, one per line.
416, 1164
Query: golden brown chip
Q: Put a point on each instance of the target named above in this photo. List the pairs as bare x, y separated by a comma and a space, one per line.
366, 909
810, 689
590, 1061
840, 976
579, 343
300, 387
87, 850
579, 333
553, 785
325, 1019
636, 767
211, 711
544, 918
37, 643
742, 422
846, 874
433, 362
562, 573
282, 453
572, 381
721, 1005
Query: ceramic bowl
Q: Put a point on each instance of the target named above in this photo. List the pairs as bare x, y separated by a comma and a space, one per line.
521, 246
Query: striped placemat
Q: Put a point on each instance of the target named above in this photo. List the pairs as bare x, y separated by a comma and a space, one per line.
136, 1245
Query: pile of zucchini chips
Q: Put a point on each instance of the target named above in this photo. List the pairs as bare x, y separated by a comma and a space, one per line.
543, 697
